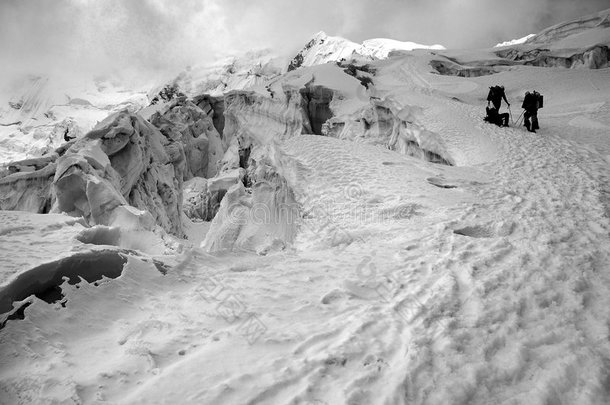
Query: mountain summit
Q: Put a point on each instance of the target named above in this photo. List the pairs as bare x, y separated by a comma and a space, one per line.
323, 48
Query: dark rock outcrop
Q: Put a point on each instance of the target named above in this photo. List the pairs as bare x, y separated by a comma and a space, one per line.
297, 61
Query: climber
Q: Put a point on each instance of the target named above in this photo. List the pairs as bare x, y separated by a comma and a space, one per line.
494, 117
531, 103
495, 96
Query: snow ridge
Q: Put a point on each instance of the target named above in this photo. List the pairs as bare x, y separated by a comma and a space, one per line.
323, 48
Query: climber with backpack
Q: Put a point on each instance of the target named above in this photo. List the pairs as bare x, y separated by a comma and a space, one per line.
495, 96
531, 103
494, 117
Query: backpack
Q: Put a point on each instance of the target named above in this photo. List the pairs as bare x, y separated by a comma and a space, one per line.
494, 93
539, 98
533, 101
490, 95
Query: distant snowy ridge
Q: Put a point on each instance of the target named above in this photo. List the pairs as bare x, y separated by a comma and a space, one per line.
593, 29
515, 41
323, 48
381, 47
38, 112
583, 32
231, 73
579, 43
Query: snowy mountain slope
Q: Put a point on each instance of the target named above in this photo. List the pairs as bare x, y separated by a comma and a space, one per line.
323, 48
579, 33
579, 43
231, 73
255, 68
380, 48
401, 281
35, 115
37, 112
582, 43
514, 41
408, 282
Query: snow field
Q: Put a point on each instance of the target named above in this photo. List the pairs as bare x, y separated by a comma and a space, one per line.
407, 282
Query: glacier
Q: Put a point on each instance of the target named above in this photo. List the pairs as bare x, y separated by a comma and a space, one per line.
339, 227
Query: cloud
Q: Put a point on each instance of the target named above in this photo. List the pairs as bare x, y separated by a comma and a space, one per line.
462, 23
109, 36
148, 36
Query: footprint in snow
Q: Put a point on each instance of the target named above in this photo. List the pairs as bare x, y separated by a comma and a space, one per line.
438, 182
483, 231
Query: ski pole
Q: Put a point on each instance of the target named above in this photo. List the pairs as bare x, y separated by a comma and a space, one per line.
519, 119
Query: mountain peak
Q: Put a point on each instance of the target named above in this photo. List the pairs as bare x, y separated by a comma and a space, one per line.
319, 35
323, 48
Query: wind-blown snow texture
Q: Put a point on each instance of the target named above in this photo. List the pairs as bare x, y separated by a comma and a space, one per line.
348, 268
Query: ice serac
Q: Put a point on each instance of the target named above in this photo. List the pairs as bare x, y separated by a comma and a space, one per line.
594, 57
145, 169
246, 176
26, 185
214, 106
262, 220
193, 129
202, 197
253, 118
318, 99
123, 161
388, 124
449, 67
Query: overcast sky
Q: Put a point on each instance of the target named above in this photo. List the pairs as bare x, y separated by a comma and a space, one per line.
155, 35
